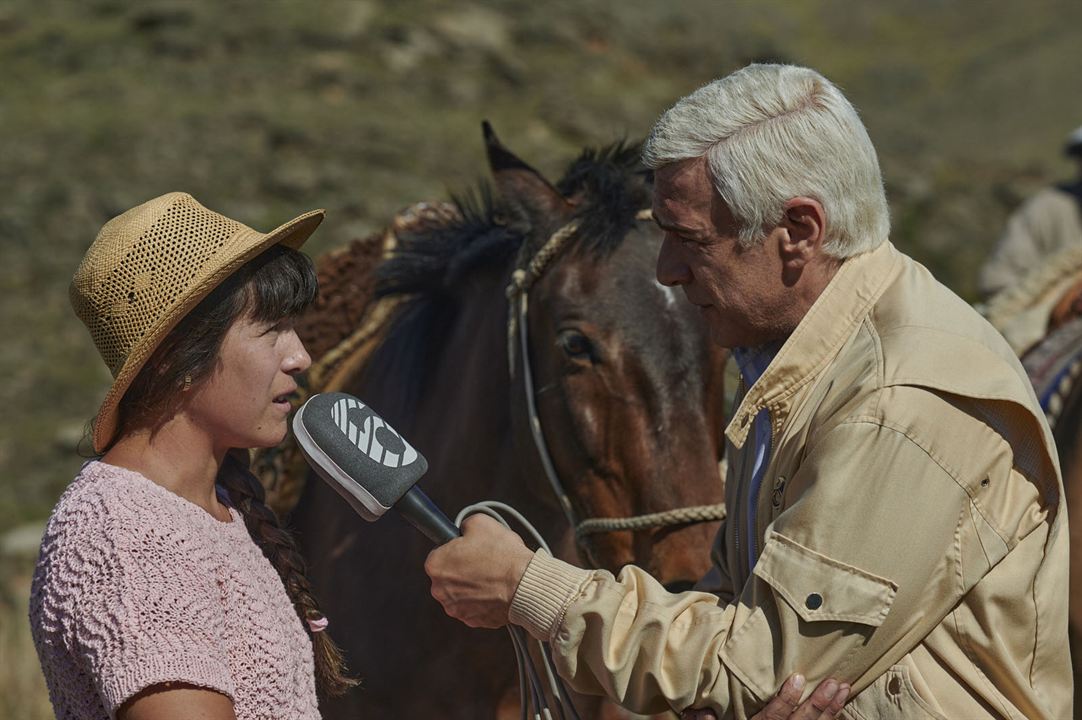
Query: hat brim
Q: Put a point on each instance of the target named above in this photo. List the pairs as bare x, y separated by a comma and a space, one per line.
239, 249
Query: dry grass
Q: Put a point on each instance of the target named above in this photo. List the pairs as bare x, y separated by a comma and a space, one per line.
22, 687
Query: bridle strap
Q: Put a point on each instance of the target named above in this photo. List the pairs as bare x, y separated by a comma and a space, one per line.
535, 419
522, 280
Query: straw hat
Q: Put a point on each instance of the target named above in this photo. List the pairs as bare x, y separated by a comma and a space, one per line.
148, 268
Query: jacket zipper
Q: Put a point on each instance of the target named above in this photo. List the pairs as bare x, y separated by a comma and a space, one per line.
769, 461
739, 477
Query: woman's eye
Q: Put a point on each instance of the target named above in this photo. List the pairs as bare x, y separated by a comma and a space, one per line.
276, 328
285, 324
575, 345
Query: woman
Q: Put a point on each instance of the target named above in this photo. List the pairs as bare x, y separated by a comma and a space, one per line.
165, 586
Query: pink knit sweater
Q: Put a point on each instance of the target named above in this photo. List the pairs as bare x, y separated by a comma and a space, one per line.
137, 586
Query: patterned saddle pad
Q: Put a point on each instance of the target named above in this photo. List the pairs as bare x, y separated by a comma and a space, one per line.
1054, 366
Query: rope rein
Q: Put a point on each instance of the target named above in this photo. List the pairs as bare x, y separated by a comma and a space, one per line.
666, 518
528, 271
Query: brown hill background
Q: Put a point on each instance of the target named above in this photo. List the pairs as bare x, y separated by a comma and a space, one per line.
266, 109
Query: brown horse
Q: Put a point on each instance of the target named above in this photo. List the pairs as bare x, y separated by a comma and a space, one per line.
629, 401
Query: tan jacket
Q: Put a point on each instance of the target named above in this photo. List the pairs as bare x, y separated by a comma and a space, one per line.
910, 539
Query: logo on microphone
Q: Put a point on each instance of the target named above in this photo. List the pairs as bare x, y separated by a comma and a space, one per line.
371, 435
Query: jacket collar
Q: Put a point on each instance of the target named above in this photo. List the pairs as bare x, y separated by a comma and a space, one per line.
830, 321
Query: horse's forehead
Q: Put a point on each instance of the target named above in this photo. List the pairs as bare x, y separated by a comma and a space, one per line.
625, 276
619, 294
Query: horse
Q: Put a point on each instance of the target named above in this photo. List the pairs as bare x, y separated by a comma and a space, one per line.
534, 359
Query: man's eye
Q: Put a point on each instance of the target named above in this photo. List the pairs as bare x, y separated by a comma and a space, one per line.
686, 239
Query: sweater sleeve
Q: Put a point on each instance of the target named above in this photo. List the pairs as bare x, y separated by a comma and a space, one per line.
146, 607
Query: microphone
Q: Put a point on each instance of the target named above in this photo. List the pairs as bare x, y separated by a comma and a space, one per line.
373, 467
369, 464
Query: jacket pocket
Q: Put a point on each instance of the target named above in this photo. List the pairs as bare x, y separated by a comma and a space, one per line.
819, 588
891, 697
804, 612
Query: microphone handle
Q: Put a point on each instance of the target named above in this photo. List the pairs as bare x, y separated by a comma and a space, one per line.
423, 514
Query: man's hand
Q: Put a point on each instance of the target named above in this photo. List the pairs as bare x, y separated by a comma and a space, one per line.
823, 704
475, 576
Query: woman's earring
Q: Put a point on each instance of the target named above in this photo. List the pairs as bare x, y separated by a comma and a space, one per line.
187, 383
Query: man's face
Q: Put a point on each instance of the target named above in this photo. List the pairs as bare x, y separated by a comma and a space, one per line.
739, 290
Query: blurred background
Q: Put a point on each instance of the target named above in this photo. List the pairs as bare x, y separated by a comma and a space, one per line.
263, 110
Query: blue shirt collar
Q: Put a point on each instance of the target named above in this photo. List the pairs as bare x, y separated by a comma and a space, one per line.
753, 362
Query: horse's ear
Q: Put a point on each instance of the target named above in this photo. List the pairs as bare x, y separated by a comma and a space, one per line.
521, 186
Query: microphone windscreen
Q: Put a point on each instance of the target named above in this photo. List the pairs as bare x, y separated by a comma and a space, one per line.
357, 452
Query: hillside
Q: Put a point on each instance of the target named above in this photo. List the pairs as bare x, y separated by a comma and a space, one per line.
264, 110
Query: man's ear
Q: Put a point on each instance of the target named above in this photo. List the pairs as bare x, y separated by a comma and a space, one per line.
804, 221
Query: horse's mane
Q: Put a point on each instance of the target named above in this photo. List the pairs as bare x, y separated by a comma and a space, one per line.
613, 187
430, 265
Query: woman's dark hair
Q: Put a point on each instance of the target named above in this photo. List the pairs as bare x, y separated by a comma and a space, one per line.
279, 283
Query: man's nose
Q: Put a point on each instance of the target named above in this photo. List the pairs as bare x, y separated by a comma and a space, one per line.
671, 270
298, 360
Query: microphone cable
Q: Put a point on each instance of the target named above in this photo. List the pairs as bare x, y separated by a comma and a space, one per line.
533, 698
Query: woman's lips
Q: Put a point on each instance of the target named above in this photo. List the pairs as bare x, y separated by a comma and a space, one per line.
282, 402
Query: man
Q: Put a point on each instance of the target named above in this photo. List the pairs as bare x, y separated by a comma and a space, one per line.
1033, 280
894, 501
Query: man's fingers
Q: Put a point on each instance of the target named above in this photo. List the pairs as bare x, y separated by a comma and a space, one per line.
824, 703
782, 705
477, 521
837, 703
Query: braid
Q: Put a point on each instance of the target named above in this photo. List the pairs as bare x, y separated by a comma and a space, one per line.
247, 495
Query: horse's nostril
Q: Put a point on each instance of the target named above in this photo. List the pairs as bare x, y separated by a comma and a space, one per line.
679, 586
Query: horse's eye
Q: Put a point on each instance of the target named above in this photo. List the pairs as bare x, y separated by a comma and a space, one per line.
575, 345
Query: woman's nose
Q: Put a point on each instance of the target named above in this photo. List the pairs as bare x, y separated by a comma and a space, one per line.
298, 360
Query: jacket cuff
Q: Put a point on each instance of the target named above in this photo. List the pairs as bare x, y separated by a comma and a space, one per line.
544, 593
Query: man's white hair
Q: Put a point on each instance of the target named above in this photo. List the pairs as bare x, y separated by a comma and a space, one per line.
774, 132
